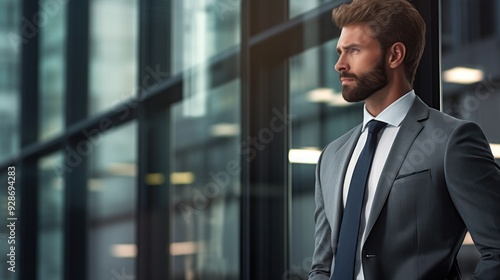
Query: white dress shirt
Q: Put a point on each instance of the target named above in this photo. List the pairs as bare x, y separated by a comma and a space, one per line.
393, 116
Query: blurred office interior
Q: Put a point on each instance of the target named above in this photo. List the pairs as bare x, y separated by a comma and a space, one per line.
177, 139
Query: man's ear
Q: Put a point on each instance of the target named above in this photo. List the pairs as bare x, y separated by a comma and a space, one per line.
396, 53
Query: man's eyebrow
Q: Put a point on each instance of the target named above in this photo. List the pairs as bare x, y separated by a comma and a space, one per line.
346, 47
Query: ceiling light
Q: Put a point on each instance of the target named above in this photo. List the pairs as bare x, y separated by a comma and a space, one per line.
463, 75
155, 179
304, 156
320, 95
328, 96
225, 130
186, 248
123, 169
182, 178
124, 250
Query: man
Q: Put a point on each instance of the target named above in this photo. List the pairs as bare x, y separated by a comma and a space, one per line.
398, 206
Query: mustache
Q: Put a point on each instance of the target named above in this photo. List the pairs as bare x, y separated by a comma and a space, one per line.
347, 75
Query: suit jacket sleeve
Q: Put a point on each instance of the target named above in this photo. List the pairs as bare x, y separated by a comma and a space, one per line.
322, 257
473, 180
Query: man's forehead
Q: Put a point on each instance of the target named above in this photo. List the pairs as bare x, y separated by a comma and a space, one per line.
359, 33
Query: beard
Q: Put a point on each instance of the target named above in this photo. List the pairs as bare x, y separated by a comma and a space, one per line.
366, 84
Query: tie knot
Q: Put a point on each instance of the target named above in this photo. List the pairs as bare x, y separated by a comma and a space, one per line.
375, 126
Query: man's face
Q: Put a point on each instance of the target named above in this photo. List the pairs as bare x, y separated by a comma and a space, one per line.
361, 64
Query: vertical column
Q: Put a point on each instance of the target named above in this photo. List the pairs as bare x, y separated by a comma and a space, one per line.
75, 197
265, 136
428, 79
27, 167
153, 231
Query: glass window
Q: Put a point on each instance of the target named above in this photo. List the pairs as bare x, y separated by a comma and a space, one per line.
52, 68
297, 7
113, 52
10, 49
471, 82
205, 191
50, 219
112, 204
200, 30
320, 116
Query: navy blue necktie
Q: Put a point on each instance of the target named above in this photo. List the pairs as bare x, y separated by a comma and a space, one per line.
349, 229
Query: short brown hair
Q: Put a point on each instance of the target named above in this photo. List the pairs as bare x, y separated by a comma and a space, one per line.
390, 21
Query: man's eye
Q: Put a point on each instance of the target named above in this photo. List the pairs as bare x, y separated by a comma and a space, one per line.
353, 50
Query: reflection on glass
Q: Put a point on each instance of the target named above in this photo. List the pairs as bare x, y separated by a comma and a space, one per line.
50, 219
201, 29
471, 78
299, 6
205, 191
52, 69
113, 52
320, 116
112, 204
471, 82
10, 47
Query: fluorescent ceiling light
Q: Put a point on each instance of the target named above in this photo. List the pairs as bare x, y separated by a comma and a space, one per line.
124, 250
320, 95
225, 130
123, 169
328, 96
495, 149
304, 156
182, 178
463, 75
186, 248
155, 179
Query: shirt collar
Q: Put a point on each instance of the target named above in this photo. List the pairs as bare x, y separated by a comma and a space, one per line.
394, 114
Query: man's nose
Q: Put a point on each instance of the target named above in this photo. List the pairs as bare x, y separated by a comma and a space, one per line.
341, 65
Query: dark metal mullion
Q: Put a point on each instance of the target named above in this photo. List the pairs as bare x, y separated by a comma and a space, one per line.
428, 79
26, 168
153, 216
76, 108
265, 190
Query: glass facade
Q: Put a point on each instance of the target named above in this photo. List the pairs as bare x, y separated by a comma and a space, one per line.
112, 200
52, 69
178, 139
112, 53
10, 46
50, 219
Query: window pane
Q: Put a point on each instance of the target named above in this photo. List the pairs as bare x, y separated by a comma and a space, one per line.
299, 6
50, 219
52, 68
10, 49
205, 192
201, 29
320, 116
113, 52
112, 204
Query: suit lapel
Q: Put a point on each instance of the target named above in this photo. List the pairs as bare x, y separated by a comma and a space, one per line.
408, 132
338, 160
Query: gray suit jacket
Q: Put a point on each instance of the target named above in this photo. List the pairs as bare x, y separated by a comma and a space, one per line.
440, 179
